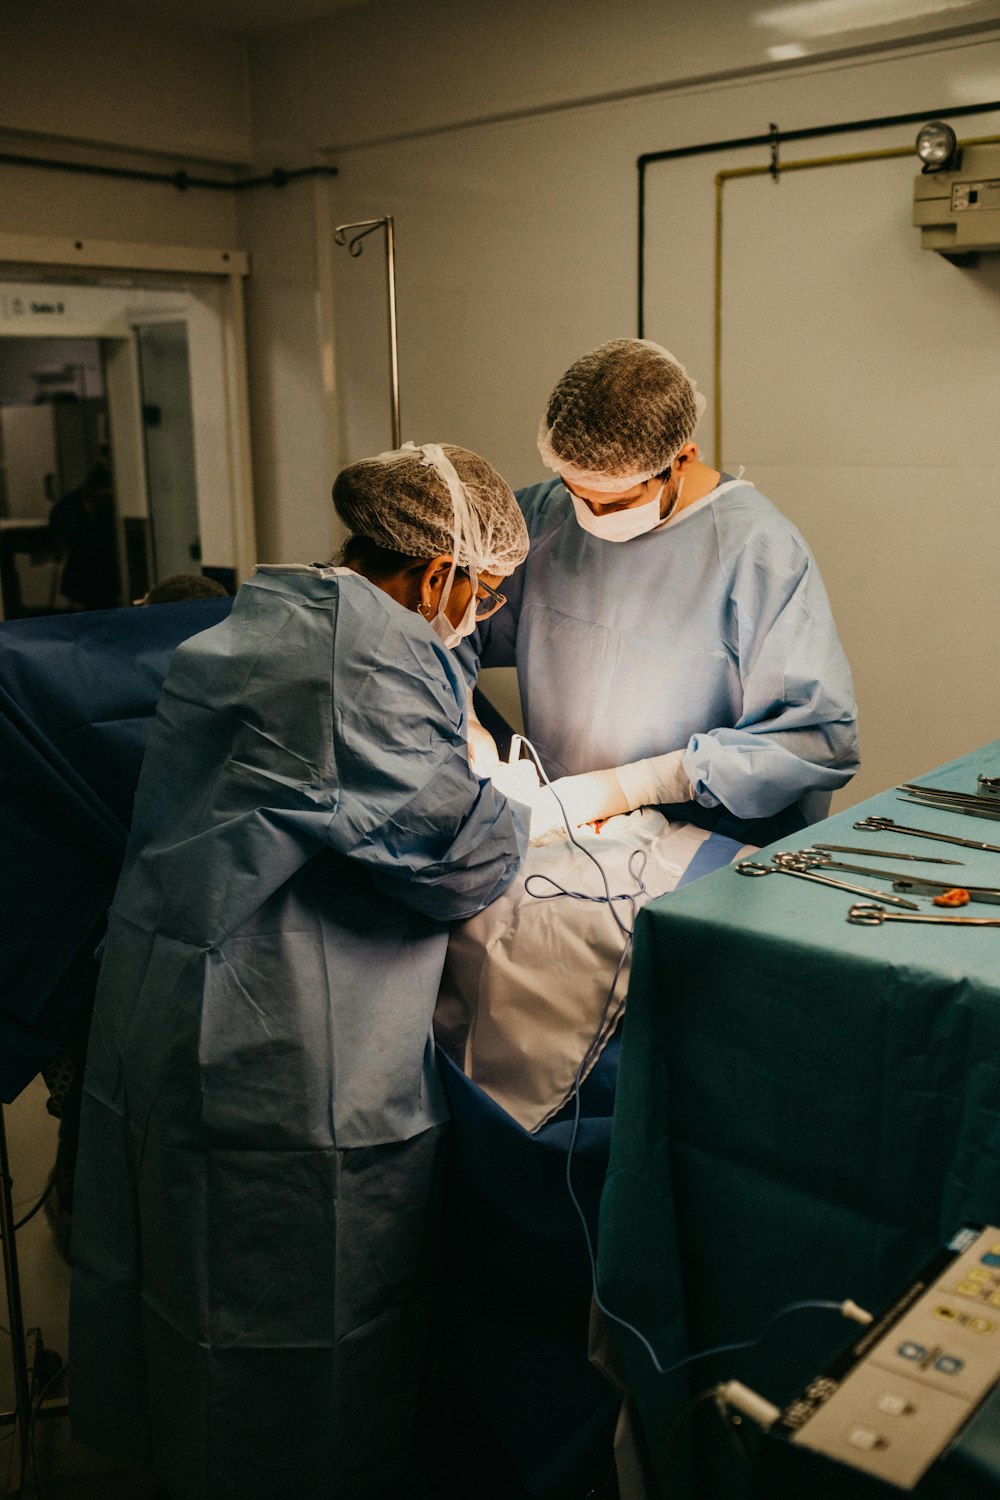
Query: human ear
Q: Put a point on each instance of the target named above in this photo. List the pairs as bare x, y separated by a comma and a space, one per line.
432, 581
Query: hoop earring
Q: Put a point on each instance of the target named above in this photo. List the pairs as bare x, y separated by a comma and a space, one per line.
421, 609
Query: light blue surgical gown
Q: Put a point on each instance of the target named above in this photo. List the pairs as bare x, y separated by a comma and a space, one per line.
258, 1160
712, 634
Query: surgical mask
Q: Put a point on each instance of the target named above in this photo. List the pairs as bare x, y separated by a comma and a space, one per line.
451, 634
620, 525
442, 627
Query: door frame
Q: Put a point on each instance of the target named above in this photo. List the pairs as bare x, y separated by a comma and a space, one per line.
26, 257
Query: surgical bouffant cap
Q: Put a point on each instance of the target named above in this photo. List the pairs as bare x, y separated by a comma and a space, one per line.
619, 415
432, 500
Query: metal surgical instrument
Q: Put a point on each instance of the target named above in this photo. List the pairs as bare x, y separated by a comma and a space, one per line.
916, 885
924, 859
873, 916
808, 859
975, 807
886, 825
943, 794
754, 867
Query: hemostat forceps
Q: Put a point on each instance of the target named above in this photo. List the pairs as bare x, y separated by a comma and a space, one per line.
755, 867
886, 825
873, 916
915, 885
923, 859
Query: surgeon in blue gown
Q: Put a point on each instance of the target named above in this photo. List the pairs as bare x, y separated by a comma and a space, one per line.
262, 1122
672, 635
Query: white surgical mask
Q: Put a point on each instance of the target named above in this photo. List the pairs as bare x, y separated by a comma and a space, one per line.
441, 625
452, 634
619, 525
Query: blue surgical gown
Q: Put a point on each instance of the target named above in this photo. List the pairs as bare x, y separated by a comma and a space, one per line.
712, 634
259, 1144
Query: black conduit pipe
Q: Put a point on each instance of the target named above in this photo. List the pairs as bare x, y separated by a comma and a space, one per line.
777, 138
180, 180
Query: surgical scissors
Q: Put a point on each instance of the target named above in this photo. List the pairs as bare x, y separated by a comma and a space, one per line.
864, 915
756, 867
886, 825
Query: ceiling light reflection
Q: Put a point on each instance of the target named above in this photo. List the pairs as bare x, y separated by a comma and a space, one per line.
813, 18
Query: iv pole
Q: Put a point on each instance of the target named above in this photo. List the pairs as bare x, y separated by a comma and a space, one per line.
355, 247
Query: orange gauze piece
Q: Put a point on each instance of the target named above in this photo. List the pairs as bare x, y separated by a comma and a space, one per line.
956, 897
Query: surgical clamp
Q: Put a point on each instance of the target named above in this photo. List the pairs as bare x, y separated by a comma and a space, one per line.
886, 825
755, 867
916, 885
873, 916
923, 859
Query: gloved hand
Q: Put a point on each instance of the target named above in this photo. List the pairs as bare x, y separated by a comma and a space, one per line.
593, 796
658, 779
518, 781
522, 783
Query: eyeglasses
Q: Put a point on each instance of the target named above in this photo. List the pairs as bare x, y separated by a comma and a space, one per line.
488, 600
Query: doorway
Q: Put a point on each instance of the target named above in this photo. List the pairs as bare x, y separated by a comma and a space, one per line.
120, 444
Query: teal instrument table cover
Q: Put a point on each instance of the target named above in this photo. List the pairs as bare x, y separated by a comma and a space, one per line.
805, 1109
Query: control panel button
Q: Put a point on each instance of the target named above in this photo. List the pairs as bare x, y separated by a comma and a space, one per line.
945, 1313
981, 1325
992, 1257
911, 1351
895, 1406
949, 1364
866, 1438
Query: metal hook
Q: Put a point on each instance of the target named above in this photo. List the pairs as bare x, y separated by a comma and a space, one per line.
775, 161
366, 226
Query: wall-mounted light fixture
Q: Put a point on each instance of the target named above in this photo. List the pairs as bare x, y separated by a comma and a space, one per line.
937, 147
956, 198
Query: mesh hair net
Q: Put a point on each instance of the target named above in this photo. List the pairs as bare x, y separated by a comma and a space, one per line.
619, 415
432, 500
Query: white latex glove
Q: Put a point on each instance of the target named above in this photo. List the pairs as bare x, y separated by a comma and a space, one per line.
522, 783
519, 781
659, 779
593, 796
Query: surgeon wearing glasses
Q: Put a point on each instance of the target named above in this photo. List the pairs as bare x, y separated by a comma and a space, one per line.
258, 1185
673, 638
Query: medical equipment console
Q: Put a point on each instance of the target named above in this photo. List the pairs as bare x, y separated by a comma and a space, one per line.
913, 1405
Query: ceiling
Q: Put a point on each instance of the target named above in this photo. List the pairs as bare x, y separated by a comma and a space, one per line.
247, 17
